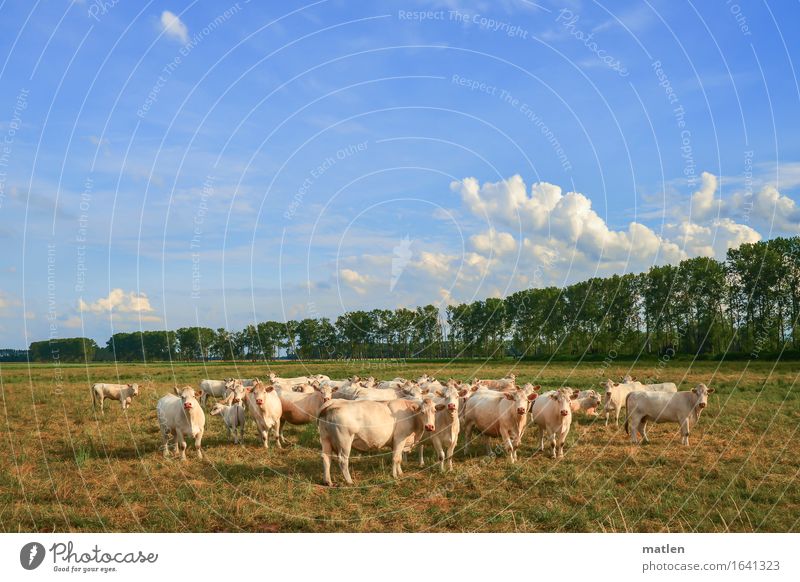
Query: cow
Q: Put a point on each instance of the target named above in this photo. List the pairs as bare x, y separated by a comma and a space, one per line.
445, 435
216, 388
681, 407
366, 425
301, 407
552, 414
507, 383
289, 382
180, 416
122, 392
233, 417
264, 406
661, 387
615, 395
588, 401
494, 414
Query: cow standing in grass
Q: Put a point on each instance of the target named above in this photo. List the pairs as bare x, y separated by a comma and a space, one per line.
683, 408
122, 392
180, 416
552, 414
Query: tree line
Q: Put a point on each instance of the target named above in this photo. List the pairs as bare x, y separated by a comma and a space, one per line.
748, 304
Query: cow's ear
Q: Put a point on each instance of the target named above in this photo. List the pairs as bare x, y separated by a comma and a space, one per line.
635, 379
508, 395
533, 396
575, 394
711, 390
439, 407
176, 391
616, 383
270, 388
439, 393
130, 385
249, 389
414, 407
334, 389
537, 388
463, 393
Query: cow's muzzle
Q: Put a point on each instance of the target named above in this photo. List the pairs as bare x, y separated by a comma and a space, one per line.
259, 402
326, 398
187, 405
564, 412
702, 405
521, 411
429, 427
451, 407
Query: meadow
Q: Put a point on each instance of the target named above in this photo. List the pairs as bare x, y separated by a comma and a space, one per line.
66, 468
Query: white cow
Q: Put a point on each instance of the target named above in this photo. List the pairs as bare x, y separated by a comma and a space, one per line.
180, 416
448, 425
366, 425
264, 406
275, 379
302, 407
122, 392
681, 407
233, 416
216, 388
507, 383
498, 414
588, 401
615, 395
552, 414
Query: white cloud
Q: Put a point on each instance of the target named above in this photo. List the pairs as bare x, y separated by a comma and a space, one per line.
121, 302
491, 241
173, 26
73, 321
355, 280
704, 201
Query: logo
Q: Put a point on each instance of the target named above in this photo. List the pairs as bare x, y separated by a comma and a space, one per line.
402, 256
31, 555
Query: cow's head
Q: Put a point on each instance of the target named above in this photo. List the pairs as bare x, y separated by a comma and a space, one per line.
135, 388
592, 399
512, 376
188, 396
325, 390
412, 390
450, 395
427, 409
259, 390
564, 397
701, 392
521, 399
273, 377
218, 409
237, 391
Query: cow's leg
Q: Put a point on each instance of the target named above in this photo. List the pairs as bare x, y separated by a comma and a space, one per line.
102, 405
346, 443
397, 458
180, 442
276, 430
467, 438
165, 441
508, 444
633, 423
450, 450
618, 410
198, 442
437, 446
685, 433
203, 399
644, 431
541, 439
552, 439
326, 461
562, 436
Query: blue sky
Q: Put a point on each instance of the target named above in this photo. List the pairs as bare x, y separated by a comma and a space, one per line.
178, 163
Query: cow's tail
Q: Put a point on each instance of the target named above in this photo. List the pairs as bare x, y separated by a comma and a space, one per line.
627, 412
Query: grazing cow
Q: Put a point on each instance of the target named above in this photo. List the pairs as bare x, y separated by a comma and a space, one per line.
494, 414
122, 392
233, 416
180, 416
681, 407
552, 414
265, 408
301, 407
366, 425
588, 401
216, 388
445, 435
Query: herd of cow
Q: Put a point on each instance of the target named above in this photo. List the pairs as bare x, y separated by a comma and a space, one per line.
368, 414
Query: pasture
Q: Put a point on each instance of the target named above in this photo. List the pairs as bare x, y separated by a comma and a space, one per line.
66, 469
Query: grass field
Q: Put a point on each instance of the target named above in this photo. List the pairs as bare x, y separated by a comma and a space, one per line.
65, 469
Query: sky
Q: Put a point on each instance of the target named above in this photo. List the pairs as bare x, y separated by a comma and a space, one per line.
170, 164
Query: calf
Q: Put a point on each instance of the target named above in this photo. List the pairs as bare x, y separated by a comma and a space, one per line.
445, 435
233, 416
122, 392
494, 414
681, 407
588, 401
264, 406
366, 425
552, 414
179, 416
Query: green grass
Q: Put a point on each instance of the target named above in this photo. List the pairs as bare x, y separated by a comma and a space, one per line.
65, 469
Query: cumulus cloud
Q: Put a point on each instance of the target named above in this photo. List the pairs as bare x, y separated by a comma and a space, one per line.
355, 280
776, 210
119, 301
174, 27
704, 201
493, 242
